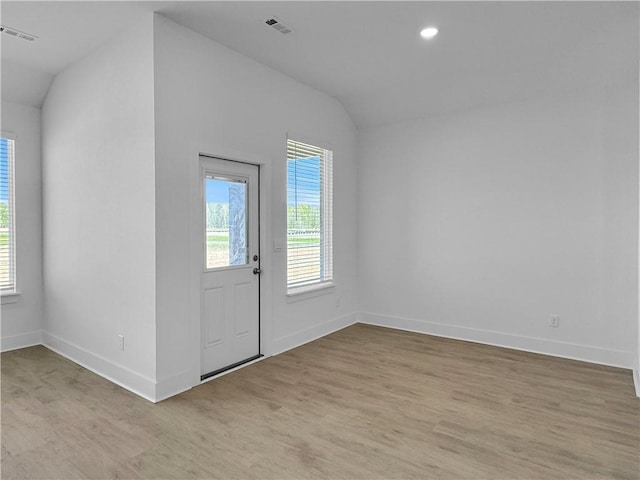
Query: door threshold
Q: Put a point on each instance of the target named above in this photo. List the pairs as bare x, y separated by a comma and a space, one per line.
234, 366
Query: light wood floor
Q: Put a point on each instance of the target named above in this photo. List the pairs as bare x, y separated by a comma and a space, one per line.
365, 402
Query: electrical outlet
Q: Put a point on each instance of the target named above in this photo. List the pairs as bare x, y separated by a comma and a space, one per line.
554, 321
121, 342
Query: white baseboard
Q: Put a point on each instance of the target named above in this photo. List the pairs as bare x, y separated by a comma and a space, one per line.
157, 391
281, 345
128, 379
173, 385
23, 340
586, 353
181, 382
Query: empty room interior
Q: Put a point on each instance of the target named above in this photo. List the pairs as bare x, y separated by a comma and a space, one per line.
308, 239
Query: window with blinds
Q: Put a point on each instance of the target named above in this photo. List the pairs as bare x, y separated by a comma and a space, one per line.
7, 217
309, 215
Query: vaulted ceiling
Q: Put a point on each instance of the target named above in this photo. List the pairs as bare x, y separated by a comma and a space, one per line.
368, 55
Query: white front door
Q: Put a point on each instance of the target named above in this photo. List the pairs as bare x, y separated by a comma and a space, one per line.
230, 278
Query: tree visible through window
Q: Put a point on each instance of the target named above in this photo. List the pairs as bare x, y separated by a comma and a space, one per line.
7, 217
309, 215
226, 226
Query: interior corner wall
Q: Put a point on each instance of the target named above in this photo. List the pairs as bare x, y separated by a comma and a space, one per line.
636, 376
99, 228
22, 318
212, 100
480, 225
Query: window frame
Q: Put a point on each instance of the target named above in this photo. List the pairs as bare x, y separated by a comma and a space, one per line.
327, 278
209, 174
11, 291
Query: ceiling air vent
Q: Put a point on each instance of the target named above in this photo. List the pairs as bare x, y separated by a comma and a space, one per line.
17, 33
278, 25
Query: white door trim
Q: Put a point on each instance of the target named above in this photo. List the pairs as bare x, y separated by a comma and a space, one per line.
266, 239
230, 292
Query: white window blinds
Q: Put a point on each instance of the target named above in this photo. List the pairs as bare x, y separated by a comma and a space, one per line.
7, 217
309, 215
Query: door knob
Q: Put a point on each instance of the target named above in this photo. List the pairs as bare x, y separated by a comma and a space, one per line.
257, 271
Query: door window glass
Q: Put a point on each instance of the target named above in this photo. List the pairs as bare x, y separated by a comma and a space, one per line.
226, 222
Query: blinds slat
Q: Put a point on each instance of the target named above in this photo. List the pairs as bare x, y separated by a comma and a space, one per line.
7, 217
309, 214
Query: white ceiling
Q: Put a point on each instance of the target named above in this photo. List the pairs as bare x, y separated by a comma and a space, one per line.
366, 54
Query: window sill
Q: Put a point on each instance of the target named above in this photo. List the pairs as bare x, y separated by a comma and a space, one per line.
309, 291
9, 297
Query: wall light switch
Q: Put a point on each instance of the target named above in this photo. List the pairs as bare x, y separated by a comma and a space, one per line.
278, 244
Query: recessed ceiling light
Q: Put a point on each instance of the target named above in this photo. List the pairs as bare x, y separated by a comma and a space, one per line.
429, 32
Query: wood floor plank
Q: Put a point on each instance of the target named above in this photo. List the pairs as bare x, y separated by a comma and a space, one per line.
364, 402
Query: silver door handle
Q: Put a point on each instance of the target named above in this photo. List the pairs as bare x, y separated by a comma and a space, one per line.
257, 271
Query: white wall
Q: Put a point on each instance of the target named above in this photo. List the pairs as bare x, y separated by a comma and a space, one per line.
212, 100
99, 227
476, 225
24, 85
481, 224
22, 319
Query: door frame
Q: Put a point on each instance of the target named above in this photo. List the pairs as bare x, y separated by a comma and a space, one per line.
249, 175
195, 251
